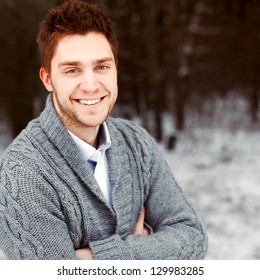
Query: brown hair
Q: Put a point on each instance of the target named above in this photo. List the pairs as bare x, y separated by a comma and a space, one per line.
70, 18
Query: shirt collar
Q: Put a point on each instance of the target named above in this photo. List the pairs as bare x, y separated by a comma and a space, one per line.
104, 138
88, 150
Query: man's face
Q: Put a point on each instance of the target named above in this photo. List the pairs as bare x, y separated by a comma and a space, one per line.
83, 81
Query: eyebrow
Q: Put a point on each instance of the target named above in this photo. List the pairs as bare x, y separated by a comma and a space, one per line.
78, 63
68, 63
102, 60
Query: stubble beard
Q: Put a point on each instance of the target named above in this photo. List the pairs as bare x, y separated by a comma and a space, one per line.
71, 118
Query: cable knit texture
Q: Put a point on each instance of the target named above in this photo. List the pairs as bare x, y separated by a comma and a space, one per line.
50, 203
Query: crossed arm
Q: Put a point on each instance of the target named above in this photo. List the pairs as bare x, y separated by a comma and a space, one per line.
177, 231
140, 229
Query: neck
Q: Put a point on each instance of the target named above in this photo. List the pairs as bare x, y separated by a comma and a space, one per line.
89, 135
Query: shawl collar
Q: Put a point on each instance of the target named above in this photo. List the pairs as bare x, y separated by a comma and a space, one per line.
60, 147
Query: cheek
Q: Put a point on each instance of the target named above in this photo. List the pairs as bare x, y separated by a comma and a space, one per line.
114, 86
62, 88
116, 89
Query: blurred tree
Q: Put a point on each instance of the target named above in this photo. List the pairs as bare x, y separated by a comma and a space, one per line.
181, 52
234, 61
19, 63
249, 40
172, 54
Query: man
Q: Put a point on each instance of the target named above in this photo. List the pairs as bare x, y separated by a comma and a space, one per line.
77, 184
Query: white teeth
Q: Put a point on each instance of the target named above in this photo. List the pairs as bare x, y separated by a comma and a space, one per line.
89, 102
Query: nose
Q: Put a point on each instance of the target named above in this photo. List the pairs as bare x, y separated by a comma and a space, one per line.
89, 82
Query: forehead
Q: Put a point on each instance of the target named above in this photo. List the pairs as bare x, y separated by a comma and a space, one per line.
90, 46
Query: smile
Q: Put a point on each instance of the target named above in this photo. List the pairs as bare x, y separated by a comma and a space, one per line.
90, 101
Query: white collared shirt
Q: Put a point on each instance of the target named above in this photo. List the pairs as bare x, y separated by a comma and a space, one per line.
101, 171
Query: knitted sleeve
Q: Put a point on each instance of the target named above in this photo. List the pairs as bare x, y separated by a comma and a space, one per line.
177, 230
31, 221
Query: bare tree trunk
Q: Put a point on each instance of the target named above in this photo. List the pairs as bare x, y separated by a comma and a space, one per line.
254, 104
151, 10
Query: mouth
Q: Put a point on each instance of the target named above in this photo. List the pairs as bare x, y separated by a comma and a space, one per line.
90, 102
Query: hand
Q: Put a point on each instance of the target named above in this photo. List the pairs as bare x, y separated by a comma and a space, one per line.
140, 227
84, 254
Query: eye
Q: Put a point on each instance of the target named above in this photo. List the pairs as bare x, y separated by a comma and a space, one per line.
102, 67
72, 71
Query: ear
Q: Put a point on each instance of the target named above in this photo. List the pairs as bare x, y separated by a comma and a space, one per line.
45, 77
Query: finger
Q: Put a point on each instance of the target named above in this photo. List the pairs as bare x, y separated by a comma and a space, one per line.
83, 254
140, 223
142, 216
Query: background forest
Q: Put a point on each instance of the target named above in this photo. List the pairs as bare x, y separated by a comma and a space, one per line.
174, 55
188, 71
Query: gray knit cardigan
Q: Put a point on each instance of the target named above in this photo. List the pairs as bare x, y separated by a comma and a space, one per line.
51, 205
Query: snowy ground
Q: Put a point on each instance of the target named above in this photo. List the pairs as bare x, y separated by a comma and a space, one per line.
220, 173
217, 164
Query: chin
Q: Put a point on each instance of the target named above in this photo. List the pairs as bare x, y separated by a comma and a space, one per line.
94, 123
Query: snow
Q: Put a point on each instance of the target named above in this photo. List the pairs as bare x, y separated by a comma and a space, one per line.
216, 162
5, 136
218, 168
